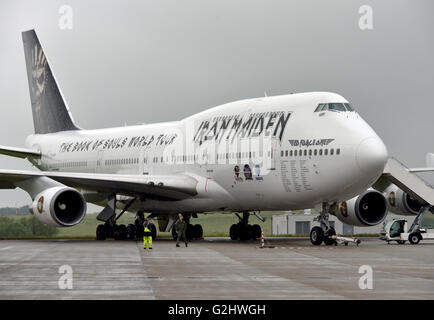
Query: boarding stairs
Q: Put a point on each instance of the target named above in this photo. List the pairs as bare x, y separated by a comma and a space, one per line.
415, 186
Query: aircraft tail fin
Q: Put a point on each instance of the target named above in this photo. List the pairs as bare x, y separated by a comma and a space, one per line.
49, 108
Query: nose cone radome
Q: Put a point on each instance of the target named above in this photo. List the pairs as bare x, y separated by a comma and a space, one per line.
371, 156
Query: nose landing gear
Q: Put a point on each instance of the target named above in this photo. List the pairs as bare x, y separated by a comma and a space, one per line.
324, 232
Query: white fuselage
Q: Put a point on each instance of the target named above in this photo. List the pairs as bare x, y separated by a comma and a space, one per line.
271, 153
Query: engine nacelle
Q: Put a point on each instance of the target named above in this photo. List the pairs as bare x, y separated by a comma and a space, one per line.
59, 207
366, 209
400, 202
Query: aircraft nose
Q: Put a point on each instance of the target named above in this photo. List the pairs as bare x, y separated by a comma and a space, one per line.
371, 156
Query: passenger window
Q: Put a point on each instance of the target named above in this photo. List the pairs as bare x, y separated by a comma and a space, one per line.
326, 152
290, 153
332, 151
305, 153
295, 153
310, 152
338, 151
320, 152
315, 152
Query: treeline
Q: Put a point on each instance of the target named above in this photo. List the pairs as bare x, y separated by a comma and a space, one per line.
11, 227
21, 211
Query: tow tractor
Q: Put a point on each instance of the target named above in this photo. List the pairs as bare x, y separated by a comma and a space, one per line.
397, 229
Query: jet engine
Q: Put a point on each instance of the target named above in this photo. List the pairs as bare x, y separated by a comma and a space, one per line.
59, 207
366, 209
400, 202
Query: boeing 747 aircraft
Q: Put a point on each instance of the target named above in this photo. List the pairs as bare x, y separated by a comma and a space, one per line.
284, 152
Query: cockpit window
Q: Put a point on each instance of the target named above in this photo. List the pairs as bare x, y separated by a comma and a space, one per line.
349, 107
325, 106
320, 106
334, 107
337, 107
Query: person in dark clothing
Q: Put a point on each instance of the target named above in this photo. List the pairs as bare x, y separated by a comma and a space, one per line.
181, 229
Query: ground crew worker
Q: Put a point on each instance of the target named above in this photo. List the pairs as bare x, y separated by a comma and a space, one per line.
181, 229
147, 234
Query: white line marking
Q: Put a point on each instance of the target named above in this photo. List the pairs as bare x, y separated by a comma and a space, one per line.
5, 248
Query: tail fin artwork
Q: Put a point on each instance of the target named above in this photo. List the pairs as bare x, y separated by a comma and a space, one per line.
50, 111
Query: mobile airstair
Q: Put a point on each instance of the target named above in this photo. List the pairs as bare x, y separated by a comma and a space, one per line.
419, 189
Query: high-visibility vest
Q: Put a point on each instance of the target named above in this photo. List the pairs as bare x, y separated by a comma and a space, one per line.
148, 232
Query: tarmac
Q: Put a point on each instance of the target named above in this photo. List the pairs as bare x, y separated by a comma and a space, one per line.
214, 268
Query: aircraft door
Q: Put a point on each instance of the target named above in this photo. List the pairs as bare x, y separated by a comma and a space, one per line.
147, 161
271, 152
99, 161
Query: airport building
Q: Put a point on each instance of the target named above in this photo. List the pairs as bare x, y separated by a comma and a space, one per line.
290, 223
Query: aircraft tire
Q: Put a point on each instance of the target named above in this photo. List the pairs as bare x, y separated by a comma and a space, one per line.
101, 232
414, 237
316, 236
327, 240
245, 232
256, 231
139, 228
197, 231
122, 232
233, 232
131, 232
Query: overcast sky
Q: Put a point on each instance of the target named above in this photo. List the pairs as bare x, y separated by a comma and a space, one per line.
150, 61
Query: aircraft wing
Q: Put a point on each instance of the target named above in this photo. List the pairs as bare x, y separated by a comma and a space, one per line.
420, 170
167, 187
19, 152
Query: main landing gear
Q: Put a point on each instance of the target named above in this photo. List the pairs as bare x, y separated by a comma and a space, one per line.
324, 232
110, 229
243, 230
